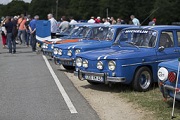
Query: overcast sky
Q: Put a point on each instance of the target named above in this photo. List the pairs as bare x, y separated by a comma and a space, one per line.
7, 1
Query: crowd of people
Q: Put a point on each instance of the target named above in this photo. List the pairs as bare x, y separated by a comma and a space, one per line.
18, 29
22, 29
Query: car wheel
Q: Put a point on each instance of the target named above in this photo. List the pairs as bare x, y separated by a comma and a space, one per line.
69, 67
92, 82
142, 79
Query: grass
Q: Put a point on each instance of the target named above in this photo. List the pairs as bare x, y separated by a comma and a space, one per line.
153, 102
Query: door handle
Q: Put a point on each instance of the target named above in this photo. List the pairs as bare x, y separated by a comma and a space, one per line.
176, 50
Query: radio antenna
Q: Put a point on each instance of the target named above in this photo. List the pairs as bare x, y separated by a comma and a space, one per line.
149, 15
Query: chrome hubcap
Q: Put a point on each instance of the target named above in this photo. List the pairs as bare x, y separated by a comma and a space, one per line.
145, 79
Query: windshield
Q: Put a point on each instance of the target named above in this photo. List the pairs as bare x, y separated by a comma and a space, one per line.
137, 38
101, 33
68, 31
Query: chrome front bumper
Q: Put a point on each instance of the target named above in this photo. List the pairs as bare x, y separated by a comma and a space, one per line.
106, 80
48, 53
64, 61
166, 88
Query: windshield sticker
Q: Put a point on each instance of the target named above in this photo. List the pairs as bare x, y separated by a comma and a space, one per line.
136, 31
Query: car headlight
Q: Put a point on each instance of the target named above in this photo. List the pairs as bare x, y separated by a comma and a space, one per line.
77, 51
60, 51
43, 46
85, 64
100, 65
69, 53
55, 51
46, 45
162, 74
79, 62
112, 65
52, 46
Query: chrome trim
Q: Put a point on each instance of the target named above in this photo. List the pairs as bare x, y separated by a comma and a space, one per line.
107, 79
65, 59
144, 63
165, 89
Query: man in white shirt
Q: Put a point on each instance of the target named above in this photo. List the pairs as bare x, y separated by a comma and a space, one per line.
54, 26
72, 21
91, 20
135, 20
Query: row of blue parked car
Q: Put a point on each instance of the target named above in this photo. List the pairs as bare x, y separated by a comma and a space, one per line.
138, 56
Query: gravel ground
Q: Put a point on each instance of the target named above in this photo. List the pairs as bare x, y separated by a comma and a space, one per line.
109, 105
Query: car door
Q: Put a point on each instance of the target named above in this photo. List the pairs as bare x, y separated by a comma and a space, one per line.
167, 46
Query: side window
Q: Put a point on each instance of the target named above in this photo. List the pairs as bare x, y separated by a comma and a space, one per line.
178, 36
166, 39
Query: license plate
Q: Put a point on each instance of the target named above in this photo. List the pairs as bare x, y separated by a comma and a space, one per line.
66, 62
94, 78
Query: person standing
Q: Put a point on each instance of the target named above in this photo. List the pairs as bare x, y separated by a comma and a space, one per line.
11, 41
28, 32
107, 22
72, 21
91, 20
32, 28
54, 25
21, 29
135, 20
3, 33
98, 20
64, 24
153, 22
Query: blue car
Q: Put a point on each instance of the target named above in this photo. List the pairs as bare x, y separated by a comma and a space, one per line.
167, 76
100, 38
77, 33
132, 59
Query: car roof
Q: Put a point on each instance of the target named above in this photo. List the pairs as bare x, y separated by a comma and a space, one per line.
157, 27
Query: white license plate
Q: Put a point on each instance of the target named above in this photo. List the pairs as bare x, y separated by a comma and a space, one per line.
95, 78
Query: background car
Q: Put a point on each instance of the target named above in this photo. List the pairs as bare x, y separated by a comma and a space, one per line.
100, 38
133, 58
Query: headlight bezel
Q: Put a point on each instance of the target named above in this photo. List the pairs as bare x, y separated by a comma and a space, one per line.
99, 65
85, 63
52, 46
60, 52
112, 65
79, 62
163, 74
55, 51
69, 53
77, 51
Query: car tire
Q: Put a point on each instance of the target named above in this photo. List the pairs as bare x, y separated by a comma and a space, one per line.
69, 67
142, 79
92, 82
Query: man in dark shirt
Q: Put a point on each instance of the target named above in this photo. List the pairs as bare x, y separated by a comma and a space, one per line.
11, 41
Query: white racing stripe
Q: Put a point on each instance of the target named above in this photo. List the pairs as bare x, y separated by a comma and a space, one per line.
60, 87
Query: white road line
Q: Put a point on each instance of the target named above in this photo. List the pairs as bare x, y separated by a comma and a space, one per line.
60, 87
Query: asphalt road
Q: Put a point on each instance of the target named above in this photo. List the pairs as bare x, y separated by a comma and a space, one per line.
28, 90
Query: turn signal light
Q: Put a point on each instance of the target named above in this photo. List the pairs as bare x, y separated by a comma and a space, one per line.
172, 76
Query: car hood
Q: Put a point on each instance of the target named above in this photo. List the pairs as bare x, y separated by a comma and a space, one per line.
84, 44
172, 64
116, 53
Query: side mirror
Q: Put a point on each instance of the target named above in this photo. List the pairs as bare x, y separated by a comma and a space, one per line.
160, 49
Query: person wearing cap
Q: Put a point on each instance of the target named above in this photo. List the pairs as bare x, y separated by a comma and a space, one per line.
91, 20
153, 22
98, 20
135, 21
32, 28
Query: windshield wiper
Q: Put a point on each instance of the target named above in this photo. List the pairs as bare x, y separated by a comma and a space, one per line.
116, 44
133, 44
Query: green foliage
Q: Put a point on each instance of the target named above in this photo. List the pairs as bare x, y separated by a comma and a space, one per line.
167, 13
